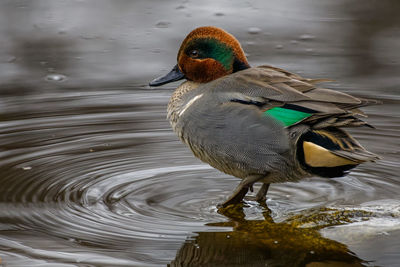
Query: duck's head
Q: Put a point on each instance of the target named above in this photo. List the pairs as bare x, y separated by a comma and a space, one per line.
206, 54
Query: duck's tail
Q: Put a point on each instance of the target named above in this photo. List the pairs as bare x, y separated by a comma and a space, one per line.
331, 152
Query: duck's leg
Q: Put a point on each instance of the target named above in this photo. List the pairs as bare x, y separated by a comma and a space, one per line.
240, 191
261, 194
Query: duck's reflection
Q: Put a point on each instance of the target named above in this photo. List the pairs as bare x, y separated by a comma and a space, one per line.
263, 243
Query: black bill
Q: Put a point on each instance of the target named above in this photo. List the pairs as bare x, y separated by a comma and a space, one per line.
174, 75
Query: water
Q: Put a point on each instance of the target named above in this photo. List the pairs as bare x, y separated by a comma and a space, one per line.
92, 174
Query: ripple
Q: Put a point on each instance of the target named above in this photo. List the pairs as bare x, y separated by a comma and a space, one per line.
109, 183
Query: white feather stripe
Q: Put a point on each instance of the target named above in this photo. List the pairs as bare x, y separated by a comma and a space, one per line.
188, 104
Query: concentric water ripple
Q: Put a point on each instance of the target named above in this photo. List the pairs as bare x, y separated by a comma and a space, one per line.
91, 173
101, 180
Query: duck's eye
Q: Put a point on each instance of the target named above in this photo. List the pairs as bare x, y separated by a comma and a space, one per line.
194, 53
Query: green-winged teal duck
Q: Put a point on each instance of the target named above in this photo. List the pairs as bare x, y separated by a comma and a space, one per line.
260, 124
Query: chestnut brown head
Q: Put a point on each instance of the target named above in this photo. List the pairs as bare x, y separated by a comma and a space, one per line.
206, 54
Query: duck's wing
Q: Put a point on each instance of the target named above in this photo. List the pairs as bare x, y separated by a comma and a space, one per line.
292, 98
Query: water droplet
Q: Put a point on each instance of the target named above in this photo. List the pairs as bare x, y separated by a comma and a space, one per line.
306, 37
309, 50
27, 168
163, 24
294, 42
254, 30
54, 77
276, 242
312, 252
219, 14
93, 195
279, 46
228, 236
180, 7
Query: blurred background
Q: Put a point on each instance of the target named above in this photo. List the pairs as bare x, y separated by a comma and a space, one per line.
128, 42
92, 174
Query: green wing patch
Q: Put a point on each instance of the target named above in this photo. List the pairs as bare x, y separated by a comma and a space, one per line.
286, 116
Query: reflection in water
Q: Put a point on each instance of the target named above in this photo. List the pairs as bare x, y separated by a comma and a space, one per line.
263, 243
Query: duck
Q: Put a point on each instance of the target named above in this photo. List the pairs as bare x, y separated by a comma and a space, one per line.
260, 124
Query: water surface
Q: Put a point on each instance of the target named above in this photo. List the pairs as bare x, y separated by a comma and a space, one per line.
92, 174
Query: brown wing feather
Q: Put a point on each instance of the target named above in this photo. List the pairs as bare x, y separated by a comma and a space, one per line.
271, 85
268, 87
